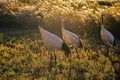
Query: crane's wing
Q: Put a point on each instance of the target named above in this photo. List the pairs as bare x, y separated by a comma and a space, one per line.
50, 40
70, 38
107, 37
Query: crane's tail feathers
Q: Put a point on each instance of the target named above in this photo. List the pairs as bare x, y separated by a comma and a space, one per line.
114, 43
80, 44
66, 49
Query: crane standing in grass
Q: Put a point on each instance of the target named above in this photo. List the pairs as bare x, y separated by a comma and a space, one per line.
52, 41
70, 38
107, 36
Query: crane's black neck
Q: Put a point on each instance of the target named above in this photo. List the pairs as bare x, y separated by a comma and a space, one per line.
102, 18
41, 21
102, 23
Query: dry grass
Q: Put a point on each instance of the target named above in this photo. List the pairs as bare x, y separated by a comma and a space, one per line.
24, 57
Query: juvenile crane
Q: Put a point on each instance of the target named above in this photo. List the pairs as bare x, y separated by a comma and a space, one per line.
106, 36
52, 41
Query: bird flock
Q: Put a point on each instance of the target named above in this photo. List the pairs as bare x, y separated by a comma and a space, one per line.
69, 39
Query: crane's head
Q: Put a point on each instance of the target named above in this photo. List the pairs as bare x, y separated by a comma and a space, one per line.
40, 14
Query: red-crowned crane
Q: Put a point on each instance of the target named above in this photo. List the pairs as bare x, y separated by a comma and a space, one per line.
71, 39
106, 36
51, 41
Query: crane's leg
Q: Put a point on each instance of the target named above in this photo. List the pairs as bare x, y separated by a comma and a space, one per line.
50, 66
55, 73
55, 58
107, 48
50, 63
69, 72
77, 54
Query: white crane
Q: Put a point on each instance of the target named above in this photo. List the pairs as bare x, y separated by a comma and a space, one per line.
106, 36
52, 41
71, 39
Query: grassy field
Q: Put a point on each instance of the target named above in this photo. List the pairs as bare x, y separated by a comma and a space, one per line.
24, 57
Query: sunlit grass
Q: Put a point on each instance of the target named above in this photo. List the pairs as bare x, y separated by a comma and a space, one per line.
26, 58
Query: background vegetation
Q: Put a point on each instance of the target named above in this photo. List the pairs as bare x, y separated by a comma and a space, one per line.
24, 57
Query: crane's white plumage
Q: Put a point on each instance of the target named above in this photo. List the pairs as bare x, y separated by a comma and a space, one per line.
51, 41
70, 38
106, 36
